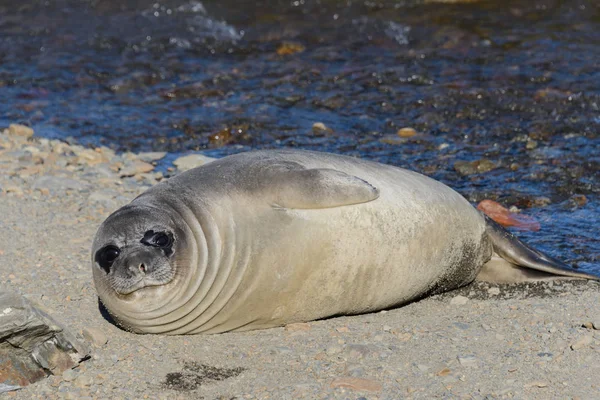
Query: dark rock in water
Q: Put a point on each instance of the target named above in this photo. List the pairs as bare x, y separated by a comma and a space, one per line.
32, 344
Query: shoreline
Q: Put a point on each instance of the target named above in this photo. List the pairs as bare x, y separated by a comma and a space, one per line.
532, 341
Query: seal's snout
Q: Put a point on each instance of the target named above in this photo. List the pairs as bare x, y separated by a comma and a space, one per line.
140, 263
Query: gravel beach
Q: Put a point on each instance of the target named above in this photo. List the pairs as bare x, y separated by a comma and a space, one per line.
535, 341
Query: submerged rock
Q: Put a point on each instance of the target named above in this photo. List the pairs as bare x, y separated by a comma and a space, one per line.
32, 344
474, 167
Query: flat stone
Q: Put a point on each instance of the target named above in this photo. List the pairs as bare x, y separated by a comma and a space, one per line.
8, 388
151, 156
135, 167
192, 161
33, 345
406, 132
95, 335
20, 130
89, 157
583, 341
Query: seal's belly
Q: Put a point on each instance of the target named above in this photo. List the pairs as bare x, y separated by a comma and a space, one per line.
310, 264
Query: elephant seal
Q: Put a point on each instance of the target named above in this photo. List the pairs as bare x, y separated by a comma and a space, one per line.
266, 238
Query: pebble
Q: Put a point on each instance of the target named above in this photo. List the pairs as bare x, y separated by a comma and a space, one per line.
468, 361
358, 384
69, 375
539, 384
319, 127
583, 341
20, 130
541, 201
579, 200
406, 132
474, 167
289, 48
95, 335
531, 144
459, 300
90, 157
191, 161
135, 167
494, 291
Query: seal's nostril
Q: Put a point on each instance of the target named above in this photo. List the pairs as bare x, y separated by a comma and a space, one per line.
143, 268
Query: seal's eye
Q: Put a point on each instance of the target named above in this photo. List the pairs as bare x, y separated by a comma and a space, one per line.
106, 256
164, 240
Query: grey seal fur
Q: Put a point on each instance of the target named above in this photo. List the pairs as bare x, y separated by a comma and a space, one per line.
267, 238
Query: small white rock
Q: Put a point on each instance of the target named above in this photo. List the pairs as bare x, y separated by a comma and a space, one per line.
95, 335
20, 130
459, 300
320, 126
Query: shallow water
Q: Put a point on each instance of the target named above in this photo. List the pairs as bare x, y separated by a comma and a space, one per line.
513, 82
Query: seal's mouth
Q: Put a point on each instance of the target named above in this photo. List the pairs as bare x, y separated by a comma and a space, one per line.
142, 283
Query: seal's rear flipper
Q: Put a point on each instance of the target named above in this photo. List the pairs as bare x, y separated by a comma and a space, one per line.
514, 261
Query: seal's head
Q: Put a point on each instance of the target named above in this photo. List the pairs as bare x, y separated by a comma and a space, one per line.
135, 249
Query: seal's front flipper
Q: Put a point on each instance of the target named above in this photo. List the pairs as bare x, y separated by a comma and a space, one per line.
514, 261
319, 188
